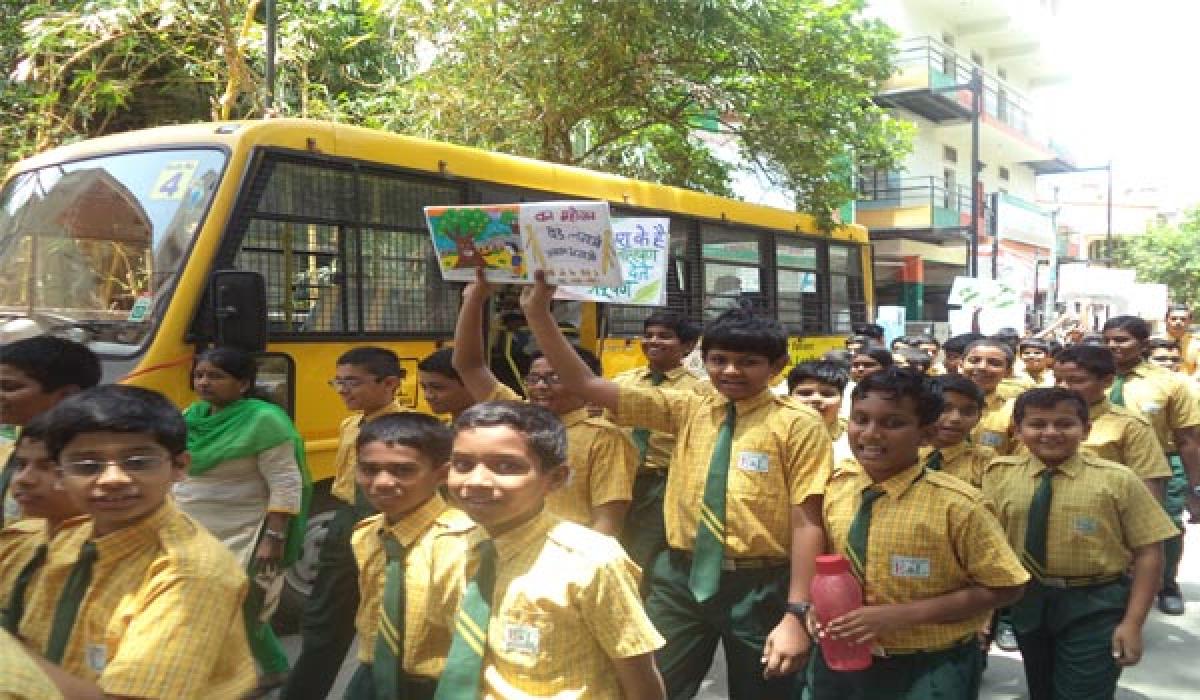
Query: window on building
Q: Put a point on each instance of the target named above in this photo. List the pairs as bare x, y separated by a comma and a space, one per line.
977, 58
1003, 74
949, 154
847, 292
1004, 174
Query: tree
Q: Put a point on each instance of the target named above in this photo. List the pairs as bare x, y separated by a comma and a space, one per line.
783, 85
1166, 254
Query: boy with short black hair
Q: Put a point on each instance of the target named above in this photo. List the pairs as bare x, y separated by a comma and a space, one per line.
136, 600
1081, 523
443, 388
1035, 361
1164, 353
1117, 433
402, 460
950, 448
819, 385
987, 363
742, 502
44, 507
913, 358
35, 374
932, 558
955, 348
366, 379
601, 458
549, 608
667, 338
933, 348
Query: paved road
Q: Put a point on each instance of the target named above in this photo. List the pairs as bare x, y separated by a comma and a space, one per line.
1170, 669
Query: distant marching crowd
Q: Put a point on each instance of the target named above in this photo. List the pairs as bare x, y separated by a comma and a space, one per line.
564, 535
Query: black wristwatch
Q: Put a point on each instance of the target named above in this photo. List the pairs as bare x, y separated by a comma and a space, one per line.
800, 610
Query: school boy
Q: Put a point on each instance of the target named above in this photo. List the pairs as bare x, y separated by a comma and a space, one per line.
44, 507
601, 459
1168, 402
913, 358
401, 649
136, 600
932, 558
1117, 433
955, 348
933, 348
1179, 329
443, 388
1080, 523
1164, 353
987, 362
819, 385
950, 449
550, 608
742, 505
35, 374
667, 338
366, 379
1035, 361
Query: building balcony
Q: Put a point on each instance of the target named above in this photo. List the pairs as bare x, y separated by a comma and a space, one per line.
931, 81
920, 208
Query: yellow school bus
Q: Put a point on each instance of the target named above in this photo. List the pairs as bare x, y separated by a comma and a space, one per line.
147, 245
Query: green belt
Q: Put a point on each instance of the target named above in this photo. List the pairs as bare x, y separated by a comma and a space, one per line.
739, 563
1078, 581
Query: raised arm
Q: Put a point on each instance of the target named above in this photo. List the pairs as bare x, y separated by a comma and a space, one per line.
575, 376
468, 358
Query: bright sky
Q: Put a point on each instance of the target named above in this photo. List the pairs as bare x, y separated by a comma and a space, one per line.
1134, 93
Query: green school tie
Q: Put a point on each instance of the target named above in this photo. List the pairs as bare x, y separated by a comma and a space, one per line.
69, 601
464, 664
388, 669
860, 528
1117, 394
934, 461
709, 551
641, 436
1034, 556
16, 602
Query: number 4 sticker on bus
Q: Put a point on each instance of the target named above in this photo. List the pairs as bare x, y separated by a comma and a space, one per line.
174, 179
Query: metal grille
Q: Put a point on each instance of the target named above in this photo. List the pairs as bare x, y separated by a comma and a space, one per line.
345, 250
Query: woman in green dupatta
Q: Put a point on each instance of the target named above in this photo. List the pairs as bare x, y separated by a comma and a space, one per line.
249, 485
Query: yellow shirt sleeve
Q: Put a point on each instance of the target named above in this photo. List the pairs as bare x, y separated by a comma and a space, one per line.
654, 408
503, 392
614, 596
20, 677
1143, 520
613, 462
808, 459
181, 629
1183, 410
1143, 454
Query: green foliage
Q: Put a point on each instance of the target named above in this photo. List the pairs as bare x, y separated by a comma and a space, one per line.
1167, 255
614, 85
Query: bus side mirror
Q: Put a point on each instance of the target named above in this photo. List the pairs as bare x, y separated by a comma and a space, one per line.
239, 299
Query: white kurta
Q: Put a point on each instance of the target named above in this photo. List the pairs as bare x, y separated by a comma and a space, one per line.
233, 498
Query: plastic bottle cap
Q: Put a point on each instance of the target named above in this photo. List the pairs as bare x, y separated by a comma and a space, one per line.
832, 564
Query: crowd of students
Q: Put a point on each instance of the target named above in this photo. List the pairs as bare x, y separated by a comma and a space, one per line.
599, 538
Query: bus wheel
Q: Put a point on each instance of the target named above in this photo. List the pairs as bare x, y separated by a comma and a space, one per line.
298, 579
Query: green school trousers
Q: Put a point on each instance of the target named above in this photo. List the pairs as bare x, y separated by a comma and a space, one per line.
362, 686
1065, 635
645, 532
747, 606
1175, 504
948, 674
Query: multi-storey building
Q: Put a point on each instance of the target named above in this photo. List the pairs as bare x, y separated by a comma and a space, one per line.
919, 215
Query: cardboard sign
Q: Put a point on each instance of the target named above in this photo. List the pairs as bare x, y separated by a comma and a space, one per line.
643, 248
571, 241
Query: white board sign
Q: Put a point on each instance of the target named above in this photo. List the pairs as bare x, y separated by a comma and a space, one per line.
643, 247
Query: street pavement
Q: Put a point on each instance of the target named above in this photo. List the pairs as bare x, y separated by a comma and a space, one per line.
1170, 668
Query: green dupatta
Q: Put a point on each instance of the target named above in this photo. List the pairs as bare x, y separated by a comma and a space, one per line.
244, 428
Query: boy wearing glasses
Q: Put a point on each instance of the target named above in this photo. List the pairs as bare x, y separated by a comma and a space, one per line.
137, 600
602, 460
366, 379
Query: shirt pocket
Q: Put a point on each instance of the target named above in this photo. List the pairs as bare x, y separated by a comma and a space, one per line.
524, 640
756, 465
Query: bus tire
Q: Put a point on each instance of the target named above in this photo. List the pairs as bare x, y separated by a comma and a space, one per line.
298, 579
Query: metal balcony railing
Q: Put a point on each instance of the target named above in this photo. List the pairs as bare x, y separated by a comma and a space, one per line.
895, 192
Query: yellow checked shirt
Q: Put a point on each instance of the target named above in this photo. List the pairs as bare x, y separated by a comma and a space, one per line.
781, 456
566, 604
17, 544
20, 676
931, 534
1122, 436
994, 429
425, 642
162, 617
601, 458
1188, 351
1164, 398
1100, 511
964, 461
660, 445
1012, 387
346, 457
1045, 379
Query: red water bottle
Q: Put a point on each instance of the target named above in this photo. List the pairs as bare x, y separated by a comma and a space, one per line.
835, 592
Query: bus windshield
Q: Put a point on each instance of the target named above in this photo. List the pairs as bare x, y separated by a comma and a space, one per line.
90, 249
